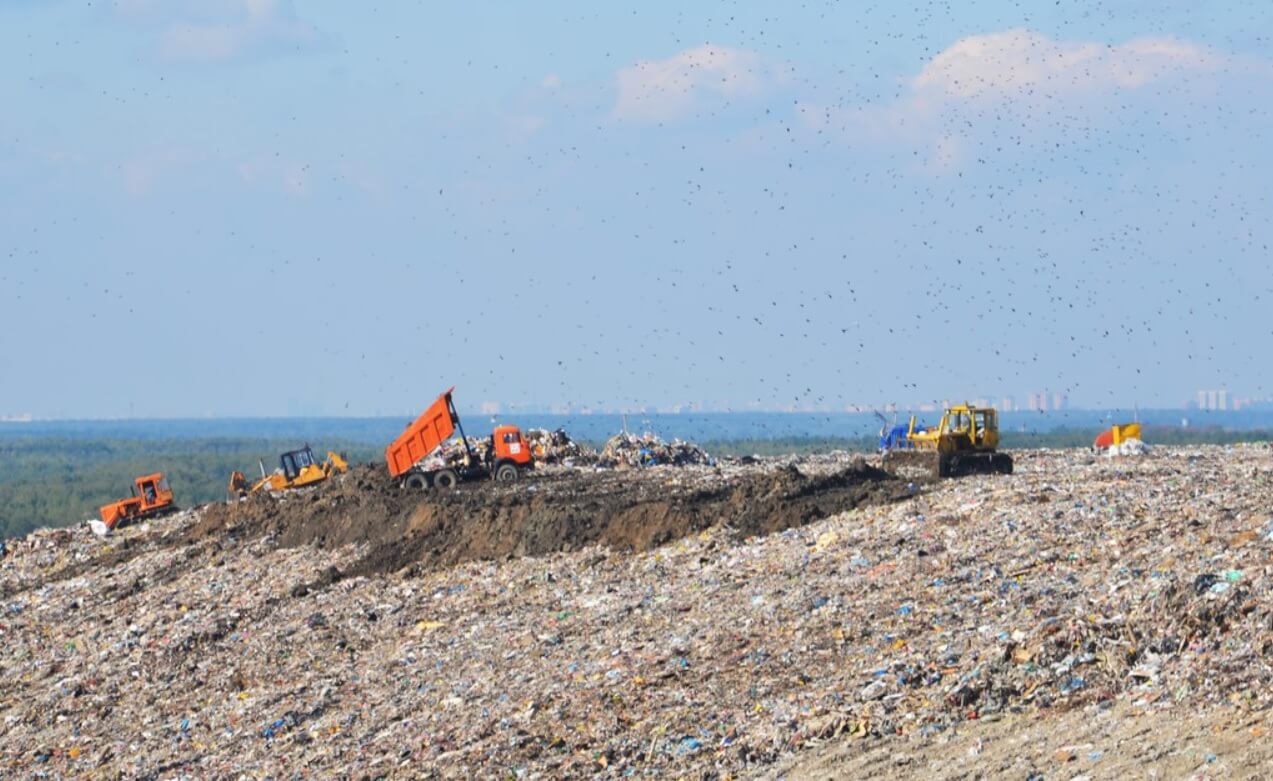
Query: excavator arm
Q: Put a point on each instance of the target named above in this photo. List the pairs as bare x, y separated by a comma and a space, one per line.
335, 463
238, 485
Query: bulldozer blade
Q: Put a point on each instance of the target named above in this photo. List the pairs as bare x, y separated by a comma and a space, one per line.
912, 464
973, 463
919, 464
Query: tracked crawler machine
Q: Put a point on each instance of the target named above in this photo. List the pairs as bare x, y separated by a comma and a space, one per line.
151, 496
965, 443
297, 469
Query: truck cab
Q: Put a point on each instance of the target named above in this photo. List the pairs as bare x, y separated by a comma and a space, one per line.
508, 445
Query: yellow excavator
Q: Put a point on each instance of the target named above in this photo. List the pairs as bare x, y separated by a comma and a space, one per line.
965, 443
297, 469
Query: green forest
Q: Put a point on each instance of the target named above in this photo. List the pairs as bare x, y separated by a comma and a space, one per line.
62, 481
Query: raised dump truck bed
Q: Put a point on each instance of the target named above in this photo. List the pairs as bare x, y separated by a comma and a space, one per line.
434, 426
409, 460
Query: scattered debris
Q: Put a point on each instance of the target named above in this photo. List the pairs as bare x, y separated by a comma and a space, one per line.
1128, 447
243, 640
556, 447
630, 450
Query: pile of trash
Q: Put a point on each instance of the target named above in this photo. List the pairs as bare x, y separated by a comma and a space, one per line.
453, 453
1128, 447
556, 447
1141, 584
629, 450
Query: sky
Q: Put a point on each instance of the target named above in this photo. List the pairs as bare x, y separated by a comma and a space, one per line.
282, 207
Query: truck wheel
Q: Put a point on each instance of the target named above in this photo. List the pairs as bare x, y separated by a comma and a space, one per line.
505, 473
416, 482
445, 479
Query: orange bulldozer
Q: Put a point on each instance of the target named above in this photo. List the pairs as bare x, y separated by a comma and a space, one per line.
151, 496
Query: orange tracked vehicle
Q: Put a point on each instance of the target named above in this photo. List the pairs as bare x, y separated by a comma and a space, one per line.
151, 496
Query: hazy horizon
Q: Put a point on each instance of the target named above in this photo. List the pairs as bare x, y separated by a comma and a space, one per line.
469, 412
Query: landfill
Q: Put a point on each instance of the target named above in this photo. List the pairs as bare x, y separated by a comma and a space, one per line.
630, 450
239, 641
556, 447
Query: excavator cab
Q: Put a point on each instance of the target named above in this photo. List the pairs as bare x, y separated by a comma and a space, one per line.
970, 428
295, 461
154, 491
152, 488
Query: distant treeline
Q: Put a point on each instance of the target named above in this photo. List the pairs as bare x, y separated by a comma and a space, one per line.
60, 481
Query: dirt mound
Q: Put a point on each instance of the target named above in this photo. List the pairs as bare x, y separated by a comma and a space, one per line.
351, 508
544, 514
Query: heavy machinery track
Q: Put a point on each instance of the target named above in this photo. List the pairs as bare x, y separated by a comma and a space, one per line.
962, 464
918, 464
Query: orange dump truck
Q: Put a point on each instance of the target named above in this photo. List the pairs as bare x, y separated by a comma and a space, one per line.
151, 496
422, 456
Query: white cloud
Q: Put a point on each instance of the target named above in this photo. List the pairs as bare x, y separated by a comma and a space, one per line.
1018, 63
143, 172
656, 90
1028, 80
221, 29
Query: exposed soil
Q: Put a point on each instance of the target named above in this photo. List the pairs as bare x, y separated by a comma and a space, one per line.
625, 510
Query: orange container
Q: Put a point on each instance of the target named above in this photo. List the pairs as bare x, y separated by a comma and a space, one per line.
432, 428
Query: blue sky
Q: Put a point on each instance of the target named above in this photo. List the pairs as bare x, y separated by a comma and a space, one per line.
237, 207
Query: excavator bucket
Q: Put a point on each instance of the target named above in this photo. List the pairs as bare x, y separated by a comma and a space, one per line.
336, 463
115, 512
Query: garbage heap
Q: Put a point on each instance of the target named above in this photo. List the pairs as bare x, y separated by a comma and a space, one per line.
629, 450
1128, 447
452, 453
556, 447
1075, 582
